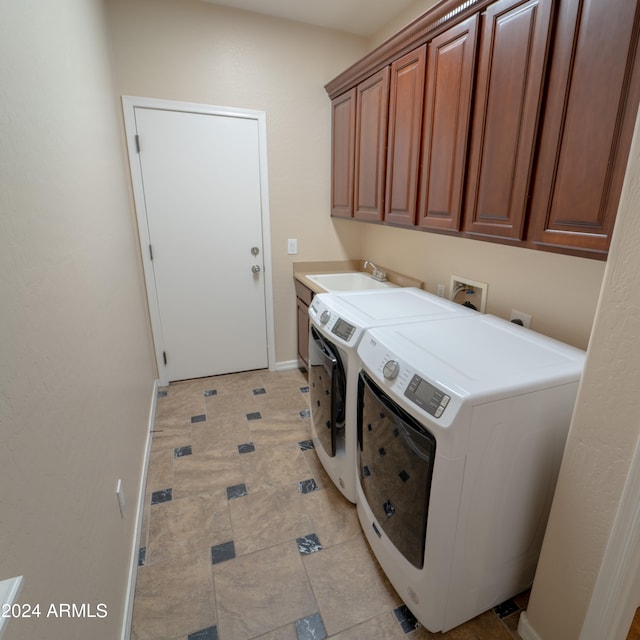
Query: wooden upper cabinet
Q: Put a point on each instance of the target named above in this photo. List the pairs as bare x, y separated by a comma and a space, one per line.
447, 112
403, 144
511, 70
343, 145
501, 120
372, 110
589, 118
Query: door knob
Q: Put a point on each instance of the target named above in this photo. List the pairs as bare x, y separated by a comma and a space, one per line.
255, 268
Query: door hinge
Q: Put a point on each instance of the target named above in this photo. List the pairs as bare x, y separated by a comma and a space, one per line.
151, 252
137, 139
164, 357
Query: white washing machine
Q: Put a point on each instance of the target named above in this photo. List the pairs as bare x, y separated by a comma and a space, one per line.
461, 429
338, 321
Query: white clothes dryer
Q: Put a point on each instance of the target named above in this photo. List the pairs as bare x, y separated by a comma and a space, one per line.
461, 429
337, 322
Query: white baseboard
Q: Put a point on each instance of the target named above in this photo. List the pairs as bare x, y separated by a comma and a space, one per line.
135, 550
286, 365
525, 629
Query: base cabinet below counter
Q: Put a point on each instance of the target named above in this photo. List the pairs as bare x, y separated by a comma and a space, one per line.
304, 296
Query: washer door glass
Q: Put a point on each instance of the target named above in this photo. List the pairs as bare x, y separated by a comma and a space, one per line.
327, 384
395, 464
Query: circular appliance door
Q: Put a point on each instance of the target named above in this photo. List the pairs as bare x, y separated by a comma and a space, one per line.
395, 464
327, 388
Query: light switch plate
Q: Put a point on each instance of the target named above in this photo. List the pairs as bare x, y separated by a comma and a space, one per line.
292, 246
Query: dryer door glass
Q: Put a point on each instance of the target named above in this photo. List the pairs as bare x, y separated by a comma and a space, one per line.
395, 464
327, 393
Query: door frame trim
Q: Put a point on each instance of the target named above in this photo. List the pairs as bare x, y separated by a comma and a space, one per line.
129, 104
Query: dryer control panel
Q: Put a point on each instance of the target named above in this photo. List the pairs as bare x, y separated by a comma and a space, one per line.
426, 396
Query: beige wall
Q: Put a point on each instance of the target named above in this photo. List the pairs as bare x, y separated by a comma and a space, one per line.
415, 9
563, 294
76, 373
77, 368
559, 292
198, 52
602, 439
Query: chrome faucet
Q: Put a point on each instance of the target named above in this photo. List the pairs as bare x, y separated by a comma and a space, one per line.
377, 274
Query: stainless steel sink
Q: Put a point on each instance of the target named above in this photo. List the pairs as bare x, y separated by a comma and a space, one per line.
350, 281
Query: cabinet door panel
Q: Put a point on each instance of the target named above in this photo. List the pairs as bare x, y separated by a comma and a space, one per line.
586, 133
450, 66
405, 123
372, 106
343, 115
511, 67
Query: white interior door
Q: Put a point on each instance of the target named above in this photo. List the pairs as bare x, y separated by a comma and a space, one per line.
201, 186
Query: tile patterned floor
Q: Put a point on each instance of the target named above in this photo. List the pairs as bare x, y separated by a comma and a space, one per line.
245, 537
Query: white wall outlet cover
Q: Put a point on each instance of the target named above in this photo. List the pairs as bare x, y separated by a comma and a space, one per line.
120, 494
292, 246
521, 317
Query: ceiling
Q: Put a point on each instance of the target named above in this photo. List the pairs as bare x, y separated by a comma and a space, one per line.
360, 17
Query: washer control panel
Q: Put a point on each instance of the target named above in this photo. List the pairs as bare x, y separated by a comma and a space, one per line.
426, 396
331, 323
343, 329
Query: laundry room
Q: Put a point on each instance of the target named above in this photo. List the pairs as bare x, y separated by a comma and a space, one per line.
83, 372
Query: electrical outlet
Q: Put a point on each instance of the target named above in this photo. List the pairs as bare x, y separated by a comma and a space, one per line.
292, 246
470, 291
525, 318
440, 290
120, 494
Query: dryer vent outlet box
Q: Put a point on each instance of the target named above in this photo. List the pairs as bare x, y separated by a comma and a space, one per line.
464, 290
